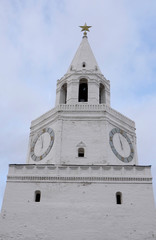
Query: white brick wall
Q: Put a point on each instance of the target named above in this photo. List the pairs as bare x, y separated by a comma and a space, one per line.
76, 210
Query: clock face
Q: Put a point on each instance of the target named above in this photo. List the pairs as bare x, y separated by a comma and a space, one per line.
121, 145
42, 144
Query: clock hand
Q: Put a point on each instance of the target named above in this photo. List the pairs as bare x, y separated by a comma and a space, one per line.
120, 142
41, 141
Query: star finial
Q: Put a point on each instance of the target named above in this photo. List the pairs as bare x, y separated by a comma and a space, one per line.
85, 29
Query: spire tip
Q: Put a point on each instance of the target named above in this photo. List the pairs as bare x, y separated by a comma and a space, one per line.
85, 29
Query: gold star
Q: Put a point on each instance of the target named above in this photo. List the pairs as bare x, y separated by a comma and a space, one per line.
85, 29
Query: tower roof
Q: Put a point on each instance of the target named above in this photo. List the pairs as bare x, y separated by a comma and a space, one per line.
84, 58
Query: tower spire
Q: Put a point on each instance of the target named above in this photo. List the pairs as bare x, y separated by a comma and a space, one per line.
84, 58
85, 29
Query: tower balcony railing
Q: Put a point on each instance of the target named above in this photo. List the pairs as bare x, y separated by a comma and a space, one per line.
82, 107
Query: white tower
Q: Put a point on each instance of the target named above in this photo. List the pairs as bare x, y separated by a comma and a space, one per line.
82, 179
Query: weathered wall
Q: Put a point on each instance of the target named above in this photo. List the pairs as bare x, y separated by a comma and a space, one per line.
87, 124
77, 211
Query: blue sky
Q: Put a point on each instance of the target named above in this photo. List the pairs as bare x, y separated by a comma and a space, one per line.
38, 39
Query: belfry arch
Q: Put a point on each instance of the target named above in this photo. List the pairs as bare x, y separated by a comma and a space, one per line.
63, 94
83, 90
102, 94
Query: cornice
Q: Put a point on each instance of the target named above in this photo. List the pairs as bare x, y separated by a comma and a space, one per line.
72, 108
79, 173
84, 74
66, 179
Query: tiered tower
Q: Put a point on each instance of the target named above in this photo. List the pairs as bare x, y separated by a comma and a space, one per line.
81, 179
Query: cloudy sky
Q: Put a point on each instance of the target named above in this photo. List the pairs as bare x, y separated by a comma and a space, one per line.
38, 39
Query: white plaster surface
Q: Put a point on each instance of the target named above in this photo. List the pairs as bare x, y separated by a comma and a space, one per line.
85, 55
77, 211
78, 202
90, 124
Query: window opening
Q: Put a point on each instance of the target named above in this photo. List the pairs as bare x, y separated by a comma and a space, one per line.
83, 64
83, 91
37, 196
81, 152
118, 198
63, 94
101, 94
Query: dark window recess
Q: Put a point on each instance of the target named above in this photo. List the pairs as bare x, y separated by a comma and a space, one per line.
101, 94
63, 94
81, 152
83, 92
118, 198
83, 64
37, 196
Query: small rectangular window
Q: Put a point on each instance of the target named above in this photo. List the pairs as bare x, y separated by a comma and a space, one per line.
37, 196
81, 152
118, 198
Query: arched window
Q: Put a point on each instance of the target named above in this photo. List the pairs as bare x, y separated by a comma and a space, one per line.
83, 90
101, 94
84, 64
81, 152
118, 198
63, 94
37, 196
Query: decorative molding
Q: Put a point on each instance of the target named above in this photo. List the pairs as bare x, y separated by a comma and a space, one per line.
81, 107
95, 166
79, 173
80, 144
79, 179
80, 72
